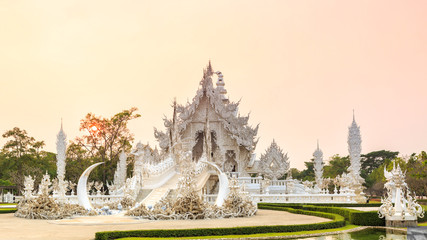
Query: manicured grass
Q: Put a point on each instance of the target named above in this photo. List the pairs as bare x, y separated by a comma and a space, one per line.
253, 235
1, 204
422, 224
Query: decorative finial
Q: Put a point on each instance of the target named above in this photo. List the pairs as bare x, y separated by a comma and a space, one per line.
353, 116
61, 123
209, 70
317, 143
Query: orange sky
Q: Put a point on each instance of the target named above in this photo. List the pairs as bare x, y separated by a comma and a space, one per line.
300, 67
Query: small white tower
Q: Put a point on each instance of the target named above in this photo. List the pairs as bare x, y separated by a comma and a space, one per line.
318, 166
354, 147
61, 147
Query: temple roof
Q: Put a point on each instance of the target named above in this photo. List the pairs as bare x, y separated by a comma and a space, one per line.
236, 125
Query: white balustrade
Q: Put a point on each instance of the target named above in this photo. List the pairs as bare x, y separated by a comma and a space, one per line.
200, 167
294, 198
95, 199
159, 168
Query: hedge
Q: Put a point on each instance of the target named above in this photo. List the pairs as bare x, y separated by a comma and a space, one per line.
7, 210
328, 204
338, 221
356, 217
424, 219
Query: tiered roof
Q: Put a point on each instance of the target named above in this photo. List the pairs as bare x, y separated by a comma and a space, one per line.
236, 126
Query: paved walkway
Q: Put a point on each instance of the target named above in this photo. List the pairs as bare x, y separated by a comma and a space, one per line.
84, 228
364, 209
7, 206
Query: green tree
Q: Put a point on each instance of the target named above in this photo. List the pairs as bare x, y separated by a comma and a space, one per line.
19, 143
22, 155
105, 138
373, 160
308, 172
416, 173
337, 165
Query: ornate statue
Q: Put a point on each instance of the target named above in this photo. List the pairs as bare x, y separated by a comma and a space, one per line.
274, 163
28, 187
138, 168
399, 208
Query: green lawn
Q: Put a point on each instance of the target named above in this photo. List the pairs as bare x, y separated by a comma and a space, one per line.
252, 235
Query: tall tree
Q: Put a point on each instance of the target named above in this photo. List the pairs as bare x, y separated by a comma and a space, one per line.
337, 165
22, 155
416, 175
20, 143
373, 160
308, 172
106, 137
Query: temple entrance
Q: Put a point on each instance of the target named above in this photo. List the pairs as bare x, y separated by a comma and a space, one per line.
199, 146
230, 165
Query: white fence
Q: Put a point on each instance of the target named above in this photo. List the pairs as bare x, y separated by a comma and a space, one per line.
294, 198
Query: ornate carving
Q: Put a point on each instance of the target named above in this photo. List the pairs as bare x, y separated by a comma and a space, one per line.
274, 163
318, 165
398, 204
354, 148
61, 146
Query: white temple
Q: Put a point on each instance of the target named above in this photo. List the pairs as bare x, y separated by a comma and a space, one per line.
209, 135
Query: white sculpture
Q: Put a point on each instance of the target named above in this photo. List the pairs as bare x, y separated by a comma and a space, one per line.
399, 208
223, 184
318, 165
119, 174
61, 146
82, 193
138, 168
28, 187
274, 163
44, 187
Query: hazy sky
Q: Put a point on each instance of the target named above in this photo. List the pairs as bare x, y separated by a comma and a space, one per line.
299, 67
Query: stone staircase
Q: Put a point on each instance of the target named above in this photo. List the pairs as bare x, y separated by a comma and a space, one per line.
158, 193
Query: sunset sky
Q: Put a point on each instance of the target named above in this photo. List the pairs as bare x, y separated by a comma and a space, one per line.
299, 67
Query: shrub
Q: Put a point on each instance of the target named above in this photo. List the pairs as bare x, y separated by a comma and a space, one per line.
7, 210
355, 217
338, 221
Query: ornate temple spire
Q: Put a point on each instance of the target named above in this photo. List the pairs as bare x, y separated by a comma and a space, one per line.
274, 163
209, 70
354, 147
318, 165
61, 146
